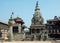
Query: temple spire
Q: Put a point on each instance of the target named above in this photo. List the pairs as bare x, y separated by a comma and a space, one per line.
37, 6
37, 18
11, 15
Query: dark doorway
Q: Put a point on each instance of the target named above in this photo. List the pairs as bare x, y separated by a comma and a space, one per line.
15, 29
39, 37
0, 34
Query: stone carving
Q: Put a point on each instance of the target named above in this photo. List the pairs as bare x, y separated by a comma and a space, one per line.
37, 20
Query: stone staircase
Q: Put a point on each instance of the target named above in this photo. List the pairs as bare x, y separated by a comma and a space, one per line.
18, 36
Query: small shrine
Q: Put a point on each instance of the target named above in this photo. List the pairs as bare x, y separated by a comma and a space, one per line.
16, 28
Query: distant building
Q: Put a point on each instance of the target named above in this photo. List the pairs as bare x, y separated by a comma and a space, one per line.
53, 27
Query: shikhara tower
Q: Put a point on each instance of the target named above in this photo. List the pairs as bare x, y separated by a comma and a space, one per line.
37, 18
37, 26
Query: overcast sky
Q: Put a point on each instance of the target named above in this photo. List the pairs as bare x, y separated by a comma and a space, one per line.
25, 9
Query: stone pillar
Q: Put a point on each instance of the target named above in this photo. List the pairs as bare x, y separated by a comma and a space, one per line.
35, 37
11, 33
19, 28
57, 31
24, 36
42, 35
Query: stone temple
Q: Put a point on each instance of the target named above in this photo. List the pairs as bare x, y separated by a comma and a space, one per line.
37, 26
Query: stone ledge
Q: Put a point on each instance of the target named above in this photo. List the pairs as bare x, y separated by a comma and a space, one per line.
32, 42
